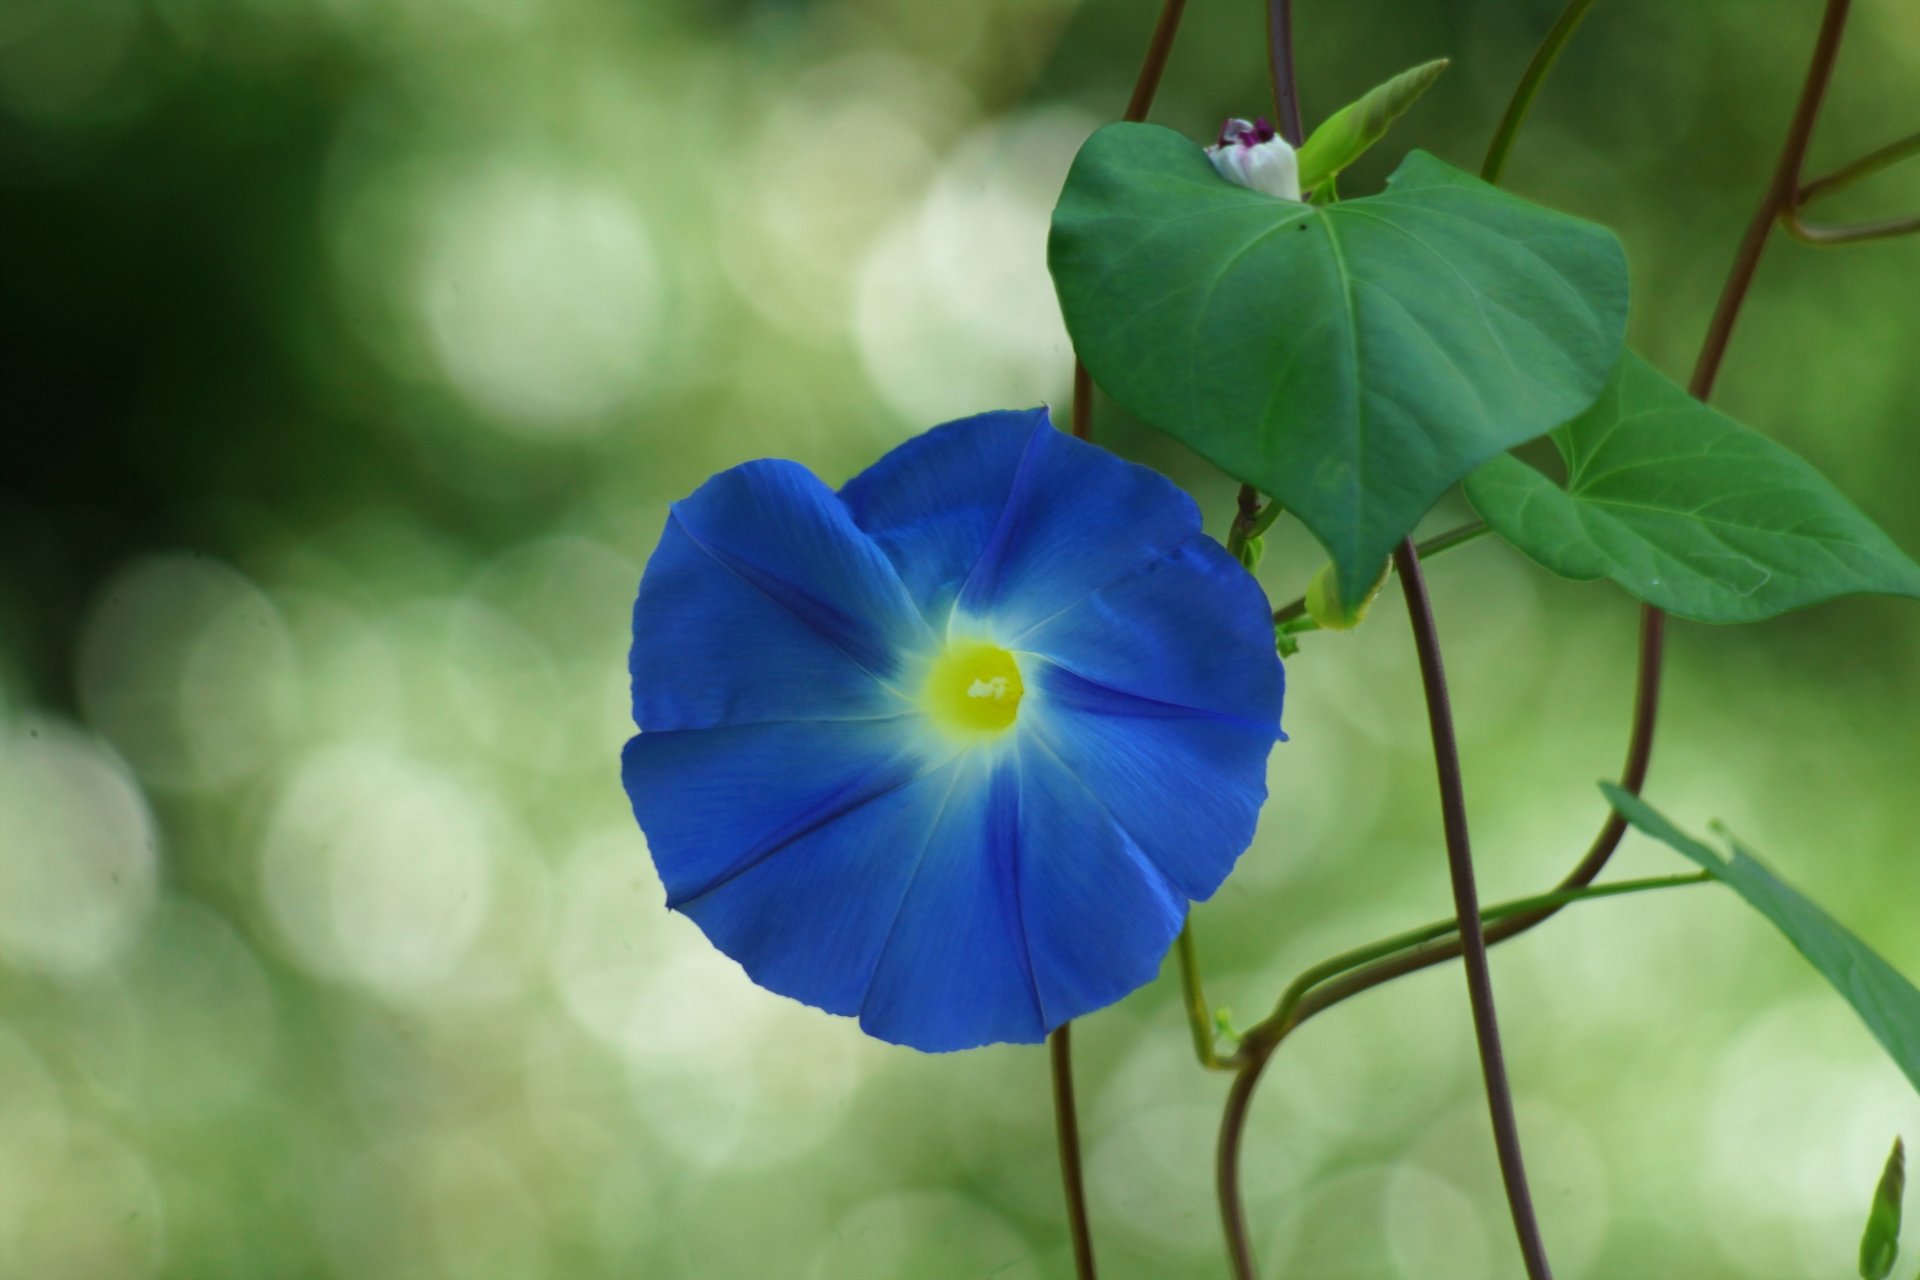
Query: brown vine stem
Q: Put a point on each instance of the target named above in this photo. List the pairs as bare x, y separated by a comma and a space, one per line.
1145, 86
1060, 1044
1865, 167
1466, 906
1781, 195
1066, 1126
1261, 1042
1286, 105
1286, 86
1652, 621
1821, 235
1839, 180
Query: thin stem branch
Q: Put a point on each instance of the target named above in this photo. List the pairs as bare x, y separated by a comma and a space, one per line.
1145, 85
1633, 776
1066, 1123
1822, 236
1286, 88
1780, 195
1466, 902
1226, 1168
1260, 1042
1528, 89
1286, 1017
1865, 167
1426, 550
1193, 995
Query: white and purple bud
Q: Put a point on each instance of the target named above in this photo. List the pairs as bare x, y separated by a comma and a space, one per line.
1252, 154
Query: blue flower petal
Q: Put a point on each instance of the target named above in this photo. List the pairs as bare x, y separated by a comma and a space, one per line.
764, 602
955, 971
1184, 786
1190, 628
1012, 518
932, 503
716, 802
811, 919
1099, 914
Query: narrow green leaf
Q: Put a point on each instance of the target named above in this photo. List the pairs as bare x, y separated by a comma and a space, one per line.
1688, 510
1880, 1243
1885, 1001
1355, 360
1344, 136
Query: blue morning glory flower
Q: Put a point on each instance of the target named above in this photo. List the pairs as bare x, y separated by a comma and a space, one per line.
952, 749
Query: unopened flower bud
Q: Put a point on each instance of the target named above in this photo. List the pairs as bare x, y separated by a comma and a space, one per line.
1252, 154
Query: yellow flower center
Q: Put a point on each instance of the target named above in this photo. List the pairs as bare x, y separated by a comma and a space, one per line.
973, 690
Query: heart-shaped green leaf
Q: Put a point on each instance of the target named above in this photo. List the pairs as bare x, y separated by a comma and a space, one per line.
1688, 510
1885, 1001
1353, 360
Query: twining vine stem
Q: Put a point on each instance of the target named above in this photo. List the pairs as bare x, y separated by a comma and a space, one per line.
1145, 86
1780, 193
1066, 1128
1504, 135
1060, 1043
1466, 905
1782, 197
1286, 88
1842, 178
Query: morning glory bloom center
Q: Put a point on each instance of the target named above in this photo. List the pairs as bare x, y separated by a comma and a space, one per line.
973, 690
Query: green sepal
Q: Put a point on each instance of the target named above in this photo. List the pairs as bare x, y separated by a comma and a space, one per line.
1344, 136
1880, 1243
1327, 607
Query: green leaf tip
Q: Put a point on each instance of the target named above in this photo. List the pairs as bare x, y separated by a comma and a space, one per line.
1880, 1243
1345, 136
1688, 510
1354, 361
1886, 1002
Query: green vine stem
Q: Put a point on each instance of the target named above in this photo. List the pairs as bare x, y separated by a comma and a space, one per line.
1852, 233
1286, 1017
1518, 107
1839, 180
1296, 1006
1865, 167
1193, 995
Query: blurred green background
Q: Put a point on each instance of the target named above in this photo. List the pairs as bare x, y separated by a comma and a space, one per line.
353, 351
